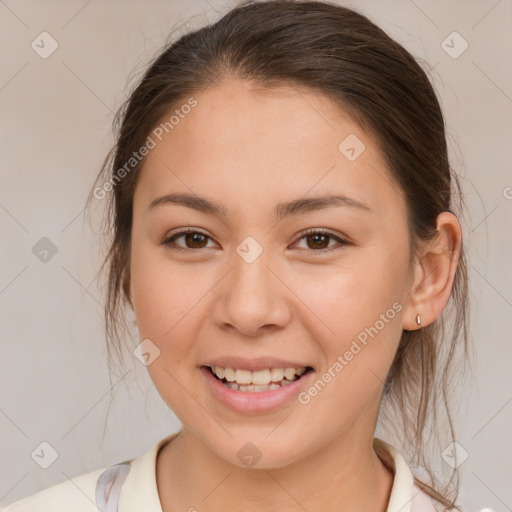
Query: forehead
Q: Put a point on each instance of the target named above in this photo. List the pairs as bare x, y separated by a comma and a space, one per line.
244, 143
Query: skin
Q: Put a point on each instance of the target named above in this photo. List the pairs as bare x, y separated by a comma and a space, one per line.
250, 149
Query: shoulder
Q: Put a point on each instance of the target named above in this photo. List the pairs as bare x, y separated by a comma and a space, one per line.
100, 490
78, 492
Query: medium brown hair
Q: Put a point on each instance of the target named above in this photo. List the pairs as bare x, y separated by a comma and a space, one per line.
340, 53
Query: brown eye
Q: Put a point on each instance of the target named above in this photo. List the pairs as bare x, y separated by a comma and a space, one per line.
195, 240
192, 240
319, 242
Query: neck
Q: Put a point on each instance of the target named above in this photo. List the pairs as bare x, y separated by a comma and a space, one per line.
345, 475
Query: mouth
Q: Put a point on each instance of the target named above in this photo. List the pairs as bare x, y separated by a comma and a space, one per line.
259, 380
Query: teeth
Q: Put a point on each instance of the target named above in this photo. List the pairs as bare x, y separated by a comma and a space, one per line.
276, 374
289, 373
259, 378
229, 373
253, 388
243, 376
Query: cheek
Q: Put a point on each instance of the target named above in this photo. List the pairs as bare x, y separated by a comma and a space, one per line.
162, 292
164, 297
162, 302
357, 308
353, 296
360, 305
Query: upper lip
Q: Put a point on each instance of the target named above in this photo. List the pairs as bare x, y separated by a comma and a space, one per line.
255, 363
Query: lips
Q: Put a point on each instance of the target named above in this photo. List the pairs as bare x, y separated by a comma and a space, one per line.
253, 399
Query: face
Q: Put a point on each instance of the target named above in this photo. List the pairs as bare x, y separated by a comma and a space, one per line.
253, 286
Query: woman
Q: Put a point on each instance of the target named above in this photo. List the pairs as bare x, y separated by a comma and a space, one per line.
283, 228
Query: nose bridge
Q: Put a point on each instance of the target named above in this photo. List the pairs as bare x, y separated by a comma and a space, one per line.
251, 276
253, 296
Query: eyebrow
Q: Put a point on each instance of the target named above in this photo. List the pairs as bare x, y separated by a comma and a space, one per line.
282, 210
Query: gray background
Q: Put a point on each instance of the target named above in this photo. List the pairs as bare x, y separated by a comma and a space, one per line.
56, 129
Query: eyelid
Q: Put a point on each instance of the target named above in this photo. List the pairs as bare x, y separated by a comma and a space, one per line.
168, 239
342, 241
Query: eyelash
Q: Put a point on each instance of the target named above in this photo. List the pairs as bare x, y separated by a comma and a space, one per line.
169, 241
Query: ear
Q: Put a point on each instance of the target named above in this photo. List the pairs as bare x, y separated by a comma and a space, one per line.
433, 274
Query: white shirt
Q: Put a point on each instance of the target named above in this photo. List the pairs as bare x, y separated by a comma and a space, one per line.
130, 486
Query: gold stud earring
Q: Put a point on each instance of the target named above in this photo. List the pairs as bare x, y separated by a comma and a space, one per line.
418, 319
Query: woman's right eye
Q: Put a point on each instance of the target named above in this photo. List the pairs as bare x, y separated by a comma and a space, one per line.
193, 239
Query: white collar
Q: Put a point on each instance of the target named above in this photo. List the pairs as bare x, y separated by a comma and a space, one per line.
139, 491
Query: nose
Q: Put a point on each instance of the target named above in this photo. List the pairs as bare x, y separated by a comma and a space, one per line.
252, 299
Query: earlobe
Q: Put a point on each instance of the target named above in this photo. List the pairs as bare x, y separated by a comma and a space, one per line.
434, 274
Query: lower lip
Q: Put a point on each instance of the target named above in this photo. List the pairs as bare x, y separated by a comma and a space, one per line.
254, 402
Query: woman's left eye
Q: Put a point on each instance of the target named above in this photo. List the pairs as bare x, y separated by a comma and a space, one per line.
316, 240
